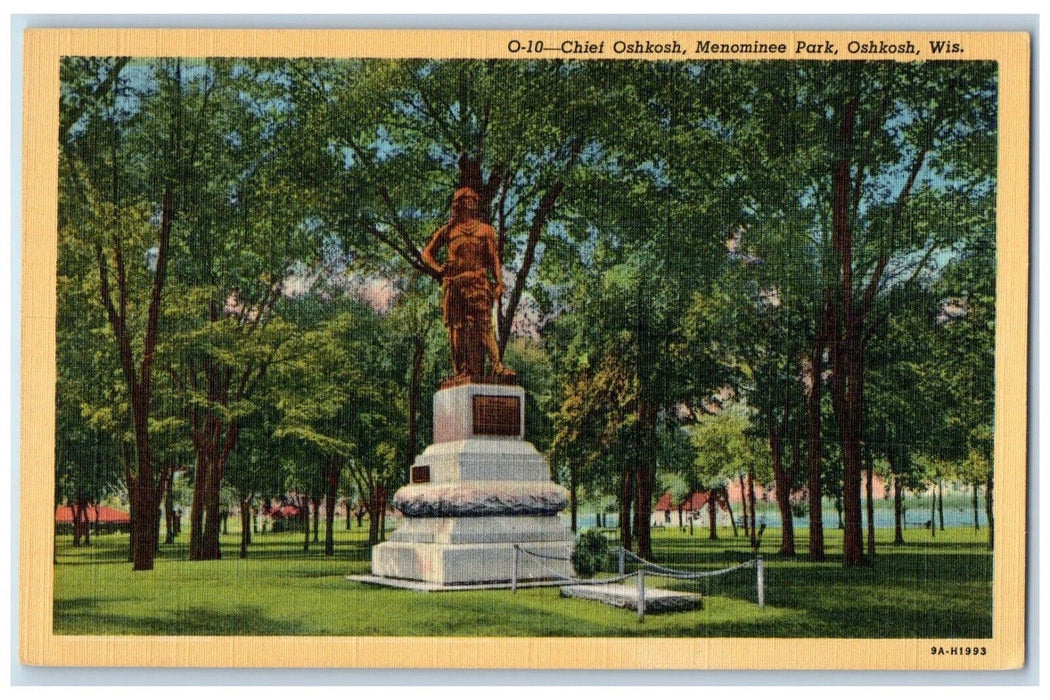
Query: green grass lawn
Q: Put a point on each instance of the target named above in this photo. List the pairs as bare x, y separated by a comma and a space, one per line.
930, 587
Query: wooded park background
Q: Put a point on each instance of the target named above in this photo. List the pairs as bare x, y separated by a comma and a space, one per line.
776, 272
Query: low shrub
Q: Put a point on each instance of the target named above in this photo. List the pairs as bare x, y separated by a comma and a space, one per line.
591, 553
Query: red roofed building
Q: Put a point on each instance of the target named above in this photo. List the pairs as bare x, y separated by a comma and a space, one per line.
96, 514
100, 518
880, 488
284, 517
690, 507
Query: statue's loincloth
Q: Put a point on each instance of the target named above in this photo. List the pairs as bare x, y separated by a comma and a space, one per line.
468, 300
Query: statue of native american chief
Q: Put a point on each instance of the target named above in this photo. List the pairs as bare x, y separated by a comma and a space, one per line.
472, 280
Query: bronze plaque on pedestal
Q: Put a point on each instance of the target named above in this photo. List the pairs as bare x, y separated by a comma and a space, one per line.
497, 415
421, 474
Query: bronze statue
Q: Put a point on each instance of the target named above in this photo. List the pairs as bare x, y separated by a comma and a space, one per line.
469, 291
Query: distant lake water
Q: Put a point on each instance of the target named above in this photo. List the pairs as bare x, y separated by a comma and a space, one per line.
958, 512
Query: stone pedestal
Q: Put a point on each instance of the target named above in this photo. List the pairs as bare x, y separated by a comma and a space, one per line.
475, 493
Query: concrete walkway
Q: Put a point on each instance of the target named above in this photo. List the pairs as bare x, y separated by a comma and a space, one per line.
620, 595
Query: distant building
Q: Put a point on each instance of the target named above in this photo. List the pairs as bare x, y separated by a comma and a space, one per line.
286, 517
695, 506
102, 519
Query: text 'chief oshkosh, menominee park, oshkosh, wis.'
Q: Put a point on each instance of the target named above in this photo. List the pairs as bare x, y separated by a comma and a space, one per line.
707, 47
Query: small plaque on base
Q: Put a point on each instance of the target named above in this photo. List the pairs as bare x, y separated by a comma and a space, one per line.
497, 415
421, 474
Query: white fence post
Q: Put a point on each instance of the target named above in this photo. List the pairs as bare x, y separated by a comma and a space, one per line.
760, 581
514, 576
641, 594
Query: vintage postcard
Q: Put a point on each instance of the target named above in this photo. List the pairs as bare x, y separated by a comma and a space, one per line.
524, 349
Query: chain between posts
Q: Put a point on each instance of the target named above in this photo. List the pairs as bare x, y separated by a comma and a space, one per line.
757, 563
654, 569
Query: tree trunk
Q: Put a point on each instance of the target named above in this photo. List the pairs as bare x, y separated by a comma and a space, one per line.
209, 543
373, 522
157, 521
940, 504
329, 525
976, 520
349, 517
646, 467
169, 517
626, 489
988, 511
197, 512
743, 506
414, 386
871, 511
847, 344
214, 438
573, 496
724, 491
131, 535
76, 507
712, 514
143, 509
246, 526
95, 529
382, 514
898, 511
304, 521
85, 525
315, 501
783, 478
163, 489
852, 544
813, 445
376, 510
787, 525
751, 503
333, 468
213, 445
933, 511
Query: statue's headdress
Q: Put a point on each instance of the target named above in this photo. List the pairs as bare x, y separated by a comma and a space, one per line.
464, 192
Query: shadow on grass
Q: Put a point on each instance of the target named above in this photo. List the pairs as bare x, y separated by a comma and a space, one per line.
109, 551
917, 593
239, 620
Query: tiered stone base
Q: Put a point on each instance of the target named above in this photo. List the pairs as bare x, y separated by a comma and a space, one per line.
451, 564
483, 497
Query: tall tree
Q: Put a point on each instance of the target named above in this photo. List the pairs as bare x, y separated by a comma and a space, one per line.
248, 245
130, 232
900, 129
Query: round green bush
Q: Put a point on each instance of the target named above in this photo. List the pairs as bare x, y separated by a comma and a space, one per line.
591, 553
